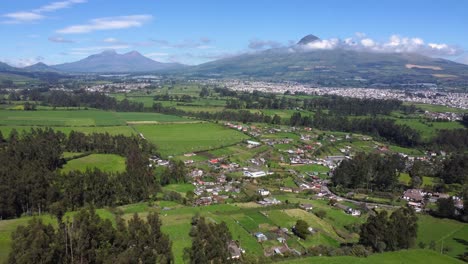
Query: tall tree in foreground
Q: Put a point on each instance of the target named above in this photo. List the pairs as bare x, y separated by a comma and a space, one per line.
87, 238
35, 243
209, 242
384, 233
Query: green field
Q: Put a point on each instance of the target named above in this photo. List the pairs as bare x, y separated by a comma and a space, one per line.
112, 130
104, 162
401, 257
439, 108
447, 234
173, 139
405, 178
428, 129
80, 118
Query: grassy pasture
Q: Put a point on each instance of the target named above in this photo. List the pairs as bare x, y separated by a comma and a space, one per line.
80, 118
112, 130
447, 234
428, 129
104, 162
173, 139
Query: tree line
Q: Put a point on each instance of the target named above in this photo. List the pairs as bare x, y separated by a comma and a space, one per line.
87, 238
30, 181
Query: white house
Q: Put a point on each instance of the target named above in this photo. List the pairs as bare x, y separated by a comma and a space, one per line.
254, 174
263, 192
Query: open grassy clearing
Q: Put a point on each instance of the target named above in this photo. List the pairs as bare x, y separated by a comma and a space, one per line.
447, 234
182, 188
428, 129
104, 162
173, 139
406, 179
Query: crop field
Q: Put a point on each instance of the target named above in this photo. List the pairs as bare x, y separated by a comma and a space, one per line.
104, 162
80, 118
173, 139
415, 256
242, 222
112, 130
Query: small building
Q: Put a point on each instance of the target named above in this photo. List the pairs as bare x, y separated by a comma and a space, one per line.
414, 195
235, 250
254, 174
260, 237
263, 192
281, 239
306, 207
252, 144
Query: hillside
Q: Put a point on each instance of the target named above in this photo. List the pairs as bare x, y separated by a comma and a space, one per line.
336, 67
111, 61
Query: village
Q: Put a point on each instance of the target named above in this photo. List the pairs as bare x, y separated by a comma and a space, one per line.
292, 162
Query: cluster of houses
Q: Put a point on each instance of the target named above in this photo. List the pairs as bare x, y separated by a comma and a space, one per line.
209, 191
448, 116
418, 199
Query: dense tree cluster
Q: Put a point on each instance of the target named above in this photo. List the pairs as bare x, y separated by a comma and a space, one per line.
87, 238
378, 127
455, 169
356, 106
209, 242
451, 140
30, 181
92, 100
389, 233
369, 171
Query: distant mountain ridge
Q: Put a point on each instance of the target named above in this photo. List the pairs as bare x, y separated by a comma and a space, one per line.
40, 67
335, 67
111, 61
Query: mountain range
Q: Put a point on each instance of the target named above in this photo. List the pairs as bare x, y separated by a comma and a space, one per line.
326, 67
334, 67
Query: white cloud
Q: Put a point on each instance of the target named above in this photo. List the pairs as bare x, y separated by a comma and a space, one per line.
323, 44
395, 43
38, 13
367, 42
58, 5
22, 17
23, 62
110, 40
60, 40
258, 44
107, 23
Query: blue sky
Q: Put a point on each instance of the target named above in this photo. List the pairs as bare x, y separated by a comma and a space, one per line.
194, 32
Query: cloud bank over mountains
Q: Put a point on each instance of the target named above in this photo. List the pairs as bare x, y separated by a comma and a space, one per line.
395, 44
